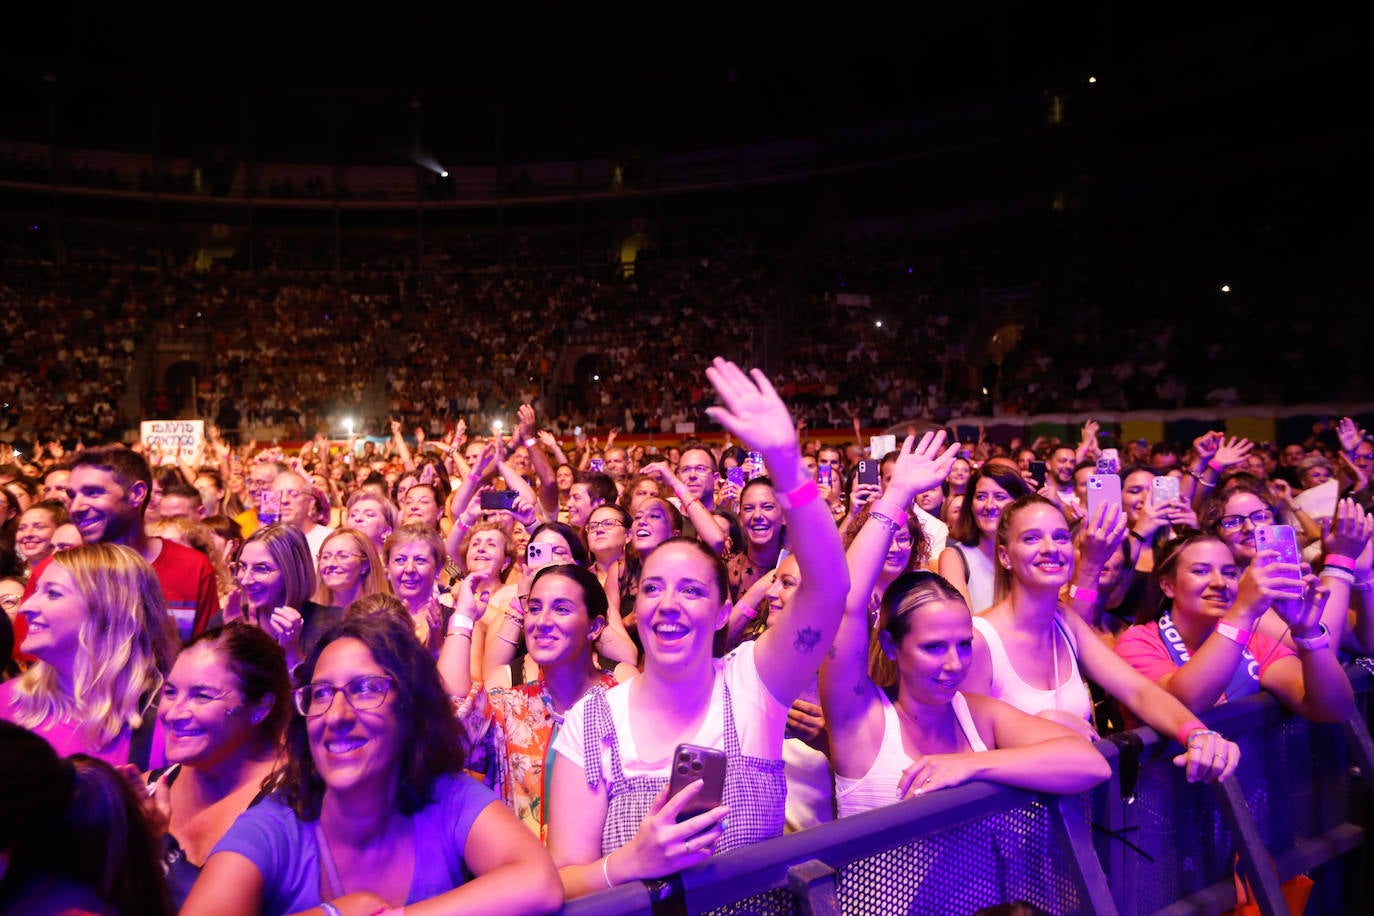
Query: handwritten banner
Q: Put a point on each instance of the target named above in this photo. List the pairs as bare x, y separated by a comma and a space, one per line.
177, 440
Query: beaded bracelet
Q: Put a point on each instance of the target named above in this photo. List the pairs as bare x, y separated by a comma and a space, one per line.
1186, 730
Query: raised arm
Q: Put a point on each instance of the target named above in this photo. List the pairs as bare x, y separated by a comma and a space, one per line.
788, 655
844, 680
709, 528
398, 441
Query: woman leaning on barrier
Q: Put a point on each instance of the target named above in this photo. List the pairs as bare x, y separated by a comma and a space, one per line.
1203, 648
1029, 651
924, 734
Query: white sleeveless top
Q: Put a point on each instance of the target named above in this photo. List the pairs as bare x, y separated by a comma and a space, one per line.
982, 578
878, 786
1072, 695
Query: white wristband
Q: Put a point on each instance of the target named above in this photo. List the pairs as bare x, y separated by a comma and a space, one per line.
460, 624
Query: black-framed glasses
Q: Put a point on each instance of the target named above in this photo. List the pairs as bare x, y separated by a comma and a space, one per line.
1258, 517
362, 693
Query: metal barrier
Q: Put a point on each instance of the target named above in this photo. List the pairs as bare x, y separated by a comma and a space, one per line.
1145, 841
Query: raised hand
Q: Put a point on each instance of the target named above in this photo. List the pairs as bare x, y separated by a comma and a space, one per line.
921, 467
751, 409
525, 422
1233, 451
1348, 531
1350, 434
1100, 536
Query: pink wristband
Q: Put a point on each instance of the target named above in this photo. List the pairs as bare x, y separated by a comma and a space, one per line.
807, 492
1087, 594
1214, 467
1339, 561
1186, 730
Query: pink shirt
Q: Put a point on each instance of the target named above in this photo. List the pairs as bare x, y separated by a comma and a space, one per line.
65, 736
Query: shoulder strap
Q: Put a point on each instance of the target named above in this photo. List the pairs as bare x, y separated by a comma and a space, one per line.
963, 561
141, 741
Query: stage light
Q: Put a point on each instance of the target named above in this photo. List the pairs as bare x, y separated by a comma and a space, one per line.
443, 173
1092, 79
1225, 288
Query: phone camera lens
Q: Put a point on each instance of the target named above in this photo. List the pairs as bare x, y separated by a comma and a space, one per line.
696, 764
682, 769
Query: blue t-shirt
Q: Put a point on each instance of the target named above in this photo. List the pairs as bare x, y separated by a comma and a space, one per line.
284, 849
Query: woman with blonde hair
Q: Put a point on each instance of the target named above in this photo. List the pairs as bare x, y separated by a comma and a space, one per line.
414, 555
103, 638
349, 568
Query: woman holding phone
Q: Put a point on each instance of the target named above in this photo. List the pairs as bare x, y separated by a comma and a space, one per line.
613, 818
1204, 647
1028, 652
765, 525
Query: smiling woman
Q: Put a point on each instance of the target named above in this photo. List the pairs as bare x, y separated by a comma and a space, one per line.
612, 818
102, 637
223, 710
374, 809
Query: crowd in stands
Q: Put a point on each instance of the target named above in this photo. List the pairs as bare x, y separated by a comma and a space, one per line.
1017, 318
531, 635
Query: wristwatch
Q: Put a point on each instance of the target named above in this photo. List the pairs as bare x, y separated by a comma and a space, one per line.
1312, 644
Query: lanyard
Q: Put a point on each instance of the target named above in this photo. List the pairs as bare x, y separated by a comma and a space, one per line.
1244, 680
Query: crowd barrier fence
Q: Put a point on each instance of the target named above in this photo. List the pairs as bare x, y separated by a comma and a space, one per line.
1144, 842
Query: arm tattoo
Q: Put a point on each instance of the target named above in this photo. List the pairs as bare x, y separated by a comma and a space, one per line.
807, 640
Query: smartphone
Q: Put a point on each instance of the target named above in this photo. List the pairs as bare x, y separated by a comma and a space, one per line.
1281, 538
735, 475
1103, 488
269, 507
1163, 489
825, 476
1037, 470
690, 763
1109, 462
538, 555
756, 462
598, 464
577, 430
498, 499
867, 471
1284, 540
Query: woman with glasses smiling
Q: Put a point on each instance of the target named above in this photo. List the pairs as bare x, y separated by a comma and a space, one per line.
1232, 516
223, 712
373, 811
349, 569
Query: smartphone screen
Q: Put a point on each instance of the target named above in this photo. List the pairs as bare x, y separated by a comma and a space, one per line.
598, 464
735, 475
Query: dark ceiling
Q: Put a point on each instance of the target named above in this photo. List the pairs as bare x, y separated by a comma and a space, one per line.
553, 80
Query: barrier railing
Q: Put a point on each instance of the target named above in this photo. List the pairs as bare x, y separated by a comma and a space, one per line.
1145, 841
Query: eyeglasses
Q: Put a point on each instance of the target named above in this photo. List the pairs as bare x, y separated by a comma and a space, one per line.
1258, 517
605, 525
362, 693
341, 556
196, 696
258, 570
699, 470
10, 602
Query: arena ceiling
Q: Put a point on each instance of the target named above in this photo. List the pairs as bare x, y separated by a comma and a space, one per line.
286, 78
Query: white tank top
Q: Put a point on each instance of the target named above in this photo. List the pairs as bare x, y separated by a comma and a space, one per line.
1072, 695
982, 578
878, 786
